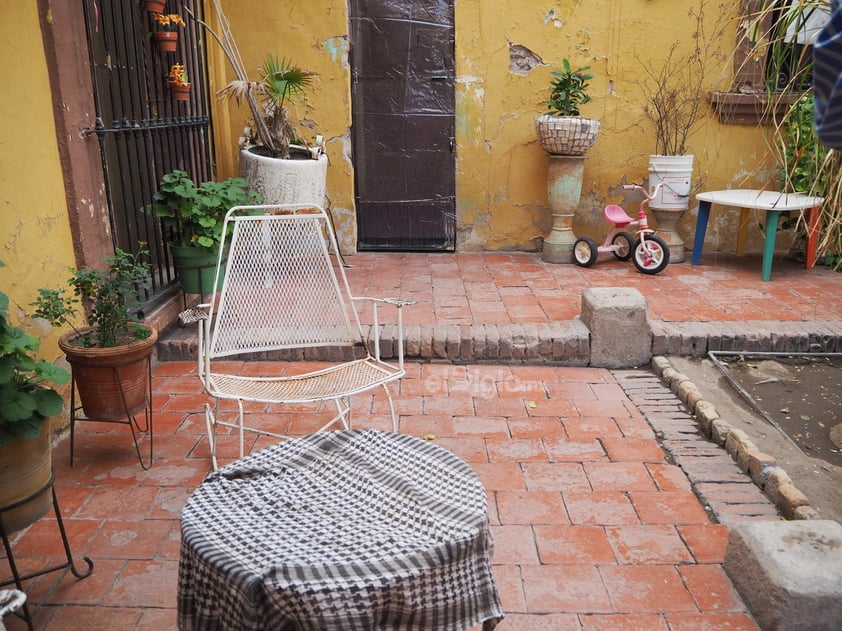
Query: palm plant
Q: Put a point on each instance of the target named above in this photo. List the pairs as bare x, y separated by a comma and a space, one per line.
267, 97
278, 83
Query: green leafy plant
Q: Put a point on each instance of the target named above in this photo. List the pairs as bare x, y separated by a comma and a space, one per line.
194, 215
107, 296
25, 399
803, 152
806, 164
568, 90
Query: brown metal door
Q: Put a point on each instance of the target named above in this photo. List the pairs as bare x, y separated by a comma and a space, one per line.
403, 123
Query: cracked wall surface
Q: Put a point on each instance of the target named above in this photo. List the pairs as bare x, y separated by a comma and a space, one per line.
505, 53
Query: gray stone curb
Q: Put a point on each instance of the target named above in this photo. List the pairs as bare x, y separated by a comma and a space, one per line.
761, 468
567, 343
727, 493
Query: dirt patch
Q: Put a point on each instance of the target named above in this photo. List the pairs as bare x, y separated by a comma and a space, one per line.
802, 395
812, 396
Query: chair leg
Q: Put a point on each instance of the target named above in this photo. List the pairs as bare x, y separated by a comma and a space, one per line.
391, 408
210, 422
240, 422
343, 408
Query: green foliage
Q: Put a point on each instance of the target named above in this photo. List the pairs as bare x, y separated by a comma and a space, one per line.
25, 400
803, 152
568, 90
806, 165
108, 297
194, 215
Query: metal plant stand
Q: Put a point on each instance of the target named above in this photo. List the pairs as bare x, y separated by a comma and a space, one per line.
131, 418
17, 577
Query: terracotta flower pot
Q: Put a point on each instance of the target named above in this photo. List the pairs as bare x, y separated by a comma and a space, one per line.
110, 381
179, 92
24, 469
167, 41
154, 6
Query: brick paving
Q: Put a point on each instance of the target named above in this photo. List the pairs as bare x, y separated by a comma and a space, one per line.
609, 509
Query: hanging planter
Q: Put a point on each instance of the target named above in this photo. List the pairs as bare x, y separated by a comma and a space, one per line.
167, 37
179, 92
167, 41
177, 82
154, 6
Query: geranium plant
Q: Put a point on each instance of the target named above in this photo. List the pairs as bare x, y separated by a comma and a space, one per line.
178, 75
194, 214
568, 90
169, 21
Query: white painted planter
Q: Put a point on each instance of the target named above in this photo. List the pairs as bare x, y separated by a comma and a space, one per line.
672, 200
676, 172
293, 181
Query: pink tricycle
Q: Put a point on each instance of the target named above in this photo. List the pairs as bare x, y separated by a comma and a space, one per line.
649, 253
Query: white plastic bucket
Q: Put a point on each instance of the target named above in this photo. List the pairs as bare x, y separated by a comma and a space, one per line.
675, 172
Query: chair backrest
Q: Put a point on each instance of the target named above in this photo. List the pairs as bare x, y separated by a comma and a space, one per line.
282, 285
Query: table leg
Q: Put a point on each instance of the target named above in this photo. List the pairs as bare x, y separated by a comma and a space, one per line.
742, 231
813, 224
701, 228
772, 217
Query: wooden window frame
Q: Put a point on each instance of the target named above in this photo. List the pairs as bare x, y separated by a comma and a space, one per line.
749, 102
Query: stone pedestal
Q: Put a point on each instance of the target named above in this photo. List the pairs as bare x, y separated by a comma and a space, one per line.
667, 228
564, 188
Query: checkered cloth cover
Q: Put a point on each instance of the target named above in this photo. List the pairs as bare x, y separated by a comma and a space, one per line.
339, 530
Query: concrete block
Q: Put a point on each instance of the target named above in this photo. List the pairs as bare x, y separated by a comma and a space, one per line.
621, 336
788, 573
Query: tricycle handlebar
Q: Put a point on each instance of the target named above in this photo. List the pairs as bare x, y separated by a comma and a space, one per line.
638, 187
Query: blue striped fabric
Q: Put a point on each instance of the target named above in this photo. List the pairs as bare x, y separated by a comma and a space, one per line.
827, 80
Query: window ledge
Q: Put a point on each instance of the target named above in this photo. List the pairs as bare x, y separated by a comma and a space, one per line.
750, 108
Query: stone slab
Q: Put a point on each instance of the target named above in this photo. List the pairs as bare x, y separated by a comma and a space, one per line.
789, 573
621, 336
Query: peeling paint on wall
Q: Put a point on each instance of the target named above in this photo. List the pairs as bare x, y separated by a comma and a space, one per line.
522, 61
337, 48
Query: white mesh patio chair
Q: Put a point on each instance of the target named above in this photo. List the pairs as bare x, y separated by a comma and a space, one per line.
283, 288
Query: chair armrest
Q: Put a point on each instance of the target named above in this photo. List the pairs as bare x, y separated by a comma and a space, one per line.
191, 316
398, 303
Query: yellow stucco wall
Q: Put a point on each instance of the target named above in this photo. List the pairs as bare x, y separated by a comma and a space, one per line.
35, 240
501, 169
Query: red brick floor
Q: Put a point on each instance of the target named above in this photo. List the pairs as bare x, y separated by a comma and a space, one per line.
593, 528
499, 288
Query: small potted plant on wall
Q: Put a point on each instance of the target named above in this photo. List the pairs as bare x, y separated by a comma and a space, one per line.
562, 130
109, 356
178, 83
26, 404
167, 37
193, 217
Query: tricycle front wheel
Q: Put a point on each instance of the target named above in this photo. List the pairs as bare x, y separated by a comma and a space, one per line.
651, 255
